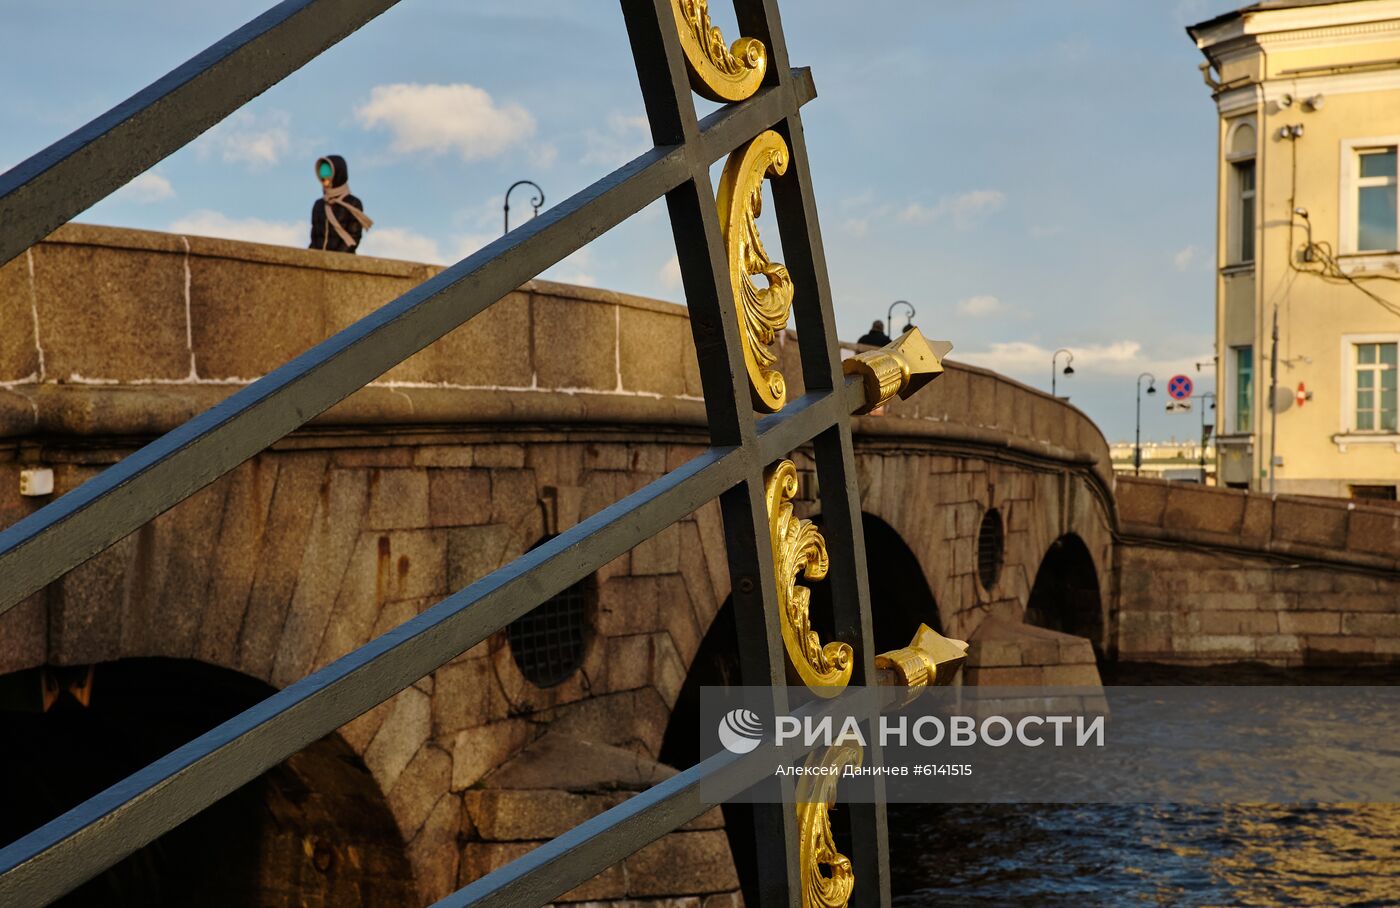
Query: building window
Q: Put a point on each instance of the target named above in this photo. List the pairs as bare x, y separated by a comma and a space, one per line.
1375, 387
1373, 493
1377, 216
1244, 388
1239, 229
1244, 210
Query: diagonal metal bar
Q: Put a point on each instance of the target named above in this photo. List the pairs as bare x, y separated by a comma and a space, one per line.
806, 417
96, 834
551, 869
82, 523
82, 168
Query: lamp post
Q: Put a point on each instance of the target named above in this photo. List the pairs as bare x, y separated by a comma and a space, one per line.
1069, 367
1273, 402
1206, 428
535, 202
889, 316
1137, 438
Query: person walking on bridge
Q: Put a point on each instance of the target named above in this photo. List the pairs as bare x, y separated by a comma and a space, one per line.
338, 219
876, 336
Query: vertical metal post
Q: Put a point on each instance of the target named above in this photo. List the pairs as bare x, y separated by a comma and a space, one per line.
1273, 403
1137, 438
820, 353
1205, 432
715, 328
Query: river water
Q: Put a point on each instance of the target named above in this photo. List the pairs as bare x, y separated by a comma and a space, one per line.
1129, 854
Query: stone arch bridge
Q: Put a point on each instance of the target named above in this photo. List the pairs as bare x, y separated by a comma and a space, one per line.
990, 511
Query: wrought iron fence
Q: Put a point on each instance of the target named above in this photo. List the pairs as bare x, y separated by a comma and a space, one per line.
676, 50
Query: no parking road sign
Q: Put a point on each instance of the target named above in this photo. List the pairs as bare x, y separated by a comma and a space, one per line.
1179, 388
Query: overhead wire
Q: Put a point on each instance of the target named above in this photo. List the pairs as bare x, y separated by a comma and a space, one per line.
1330, 271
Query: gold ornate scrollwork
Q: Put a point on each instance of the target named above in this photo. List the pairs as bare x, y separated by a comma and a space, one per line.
827, 877
763, 312
718, 72
798, 548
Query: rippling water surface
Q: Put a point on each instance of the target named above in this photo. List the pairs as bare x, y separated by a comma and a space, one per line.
1116, 854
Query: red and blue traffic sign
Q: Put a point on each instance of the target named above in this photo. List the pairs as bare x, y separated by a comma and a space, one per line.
1180, 387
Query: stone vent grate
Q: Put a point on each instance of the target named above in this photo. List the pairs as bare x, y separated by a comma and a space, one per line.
547, 642
991, 545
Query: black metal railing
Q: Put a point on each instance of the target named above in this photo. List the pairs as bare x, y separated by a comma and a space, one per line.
52, 186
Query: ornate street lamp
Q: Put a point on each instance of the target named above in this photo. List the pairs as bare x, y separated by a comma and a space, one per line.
1137, 439
536, 201
1206, 429
889, 316
1069, 369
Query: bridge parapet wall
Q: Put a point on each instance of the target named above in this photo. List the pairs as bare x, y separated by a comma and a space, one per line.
117, 331
1211, 575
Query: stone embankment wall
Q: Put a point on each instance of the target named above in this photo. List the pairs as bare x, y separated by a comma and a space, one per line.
1209, 575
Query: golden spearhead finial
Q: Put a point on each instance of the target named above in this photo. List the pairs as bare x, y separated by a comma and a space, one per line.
929, 659
901, 367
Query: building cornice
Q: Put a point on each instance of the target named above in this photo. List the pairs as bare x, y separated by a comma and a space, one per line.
1245, 97
1313, 21
1238, 100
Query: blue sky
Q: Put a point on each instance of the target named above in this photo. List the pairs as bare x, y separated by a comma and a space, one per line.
1029, 175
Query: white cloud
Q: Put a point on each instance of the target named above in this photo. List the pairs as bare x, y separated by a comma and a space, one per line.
253, 140
398, 243
544, 155
149, 187
464, 244
962, 210
625, 137
380, 241
254, 230
443, 118
670, 273
1119, 358
1184, 257
979, 306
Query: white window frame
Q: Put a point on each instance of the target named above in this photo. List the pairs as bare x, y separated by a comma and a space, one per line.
1350, 184
1234, 199
1348, 434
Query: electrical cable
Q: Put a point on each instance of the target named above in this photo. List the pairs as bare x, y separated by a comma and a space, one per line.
1331, 271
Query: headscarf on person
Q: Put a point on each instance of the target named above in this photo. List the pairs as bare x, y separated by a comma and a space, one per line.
337, 195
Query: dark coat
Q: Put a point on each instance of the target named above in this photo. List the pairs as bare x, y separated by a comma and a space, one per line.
874, 338
323, 236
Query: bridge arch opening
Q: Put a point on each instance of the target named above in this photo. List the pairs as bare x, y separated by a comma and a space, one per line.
313, 830
1065, 595
900, 598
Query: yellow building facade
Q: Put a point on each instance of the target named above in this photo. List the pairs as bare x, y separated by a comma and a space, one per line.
1308, 95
